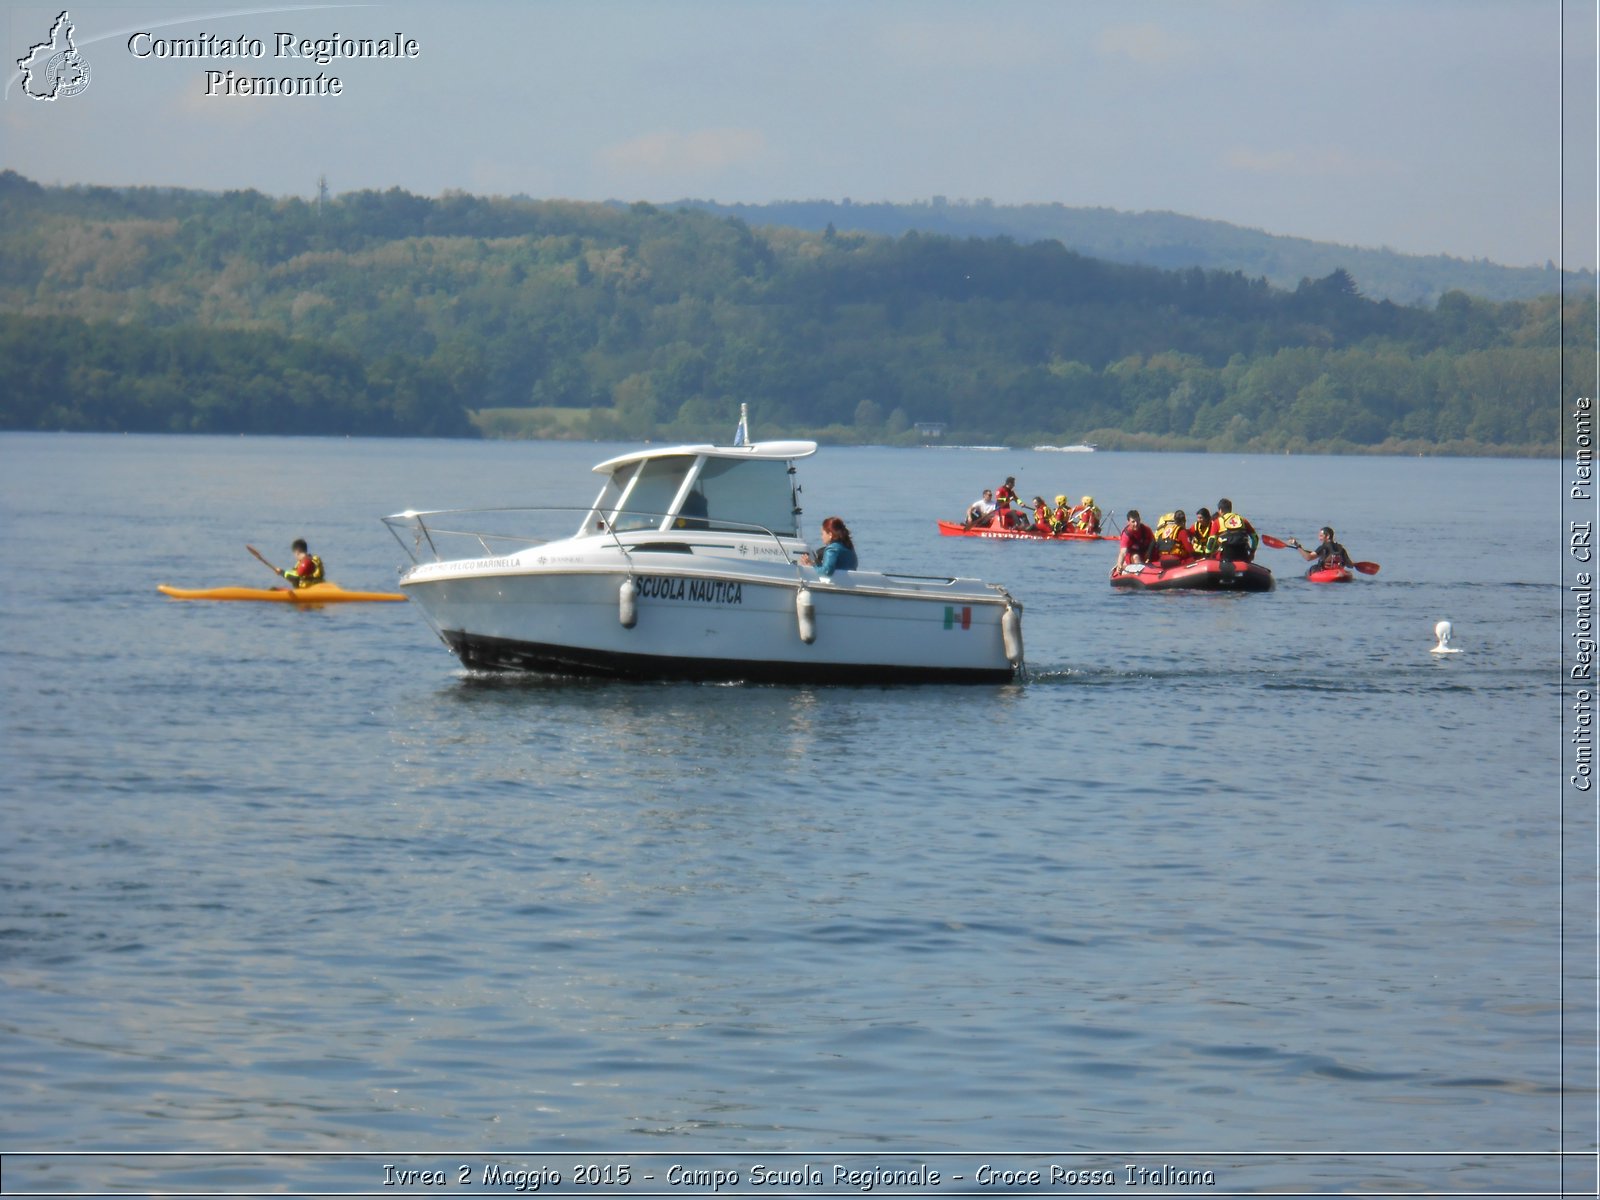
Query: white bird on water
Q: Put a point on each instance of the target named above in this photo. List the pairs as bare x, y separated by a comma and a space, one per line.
1442, 631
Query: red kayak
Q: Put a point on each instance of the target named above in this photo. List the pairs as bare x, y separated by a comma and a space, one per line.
1331, 575
1200, 574
957, 529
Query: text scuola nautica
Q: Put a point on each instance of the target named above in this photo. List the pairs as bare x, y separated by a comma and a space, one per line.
705, 591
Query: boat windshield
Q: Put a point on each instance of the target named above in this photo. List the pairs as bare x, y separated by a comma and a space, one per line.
732, 495
740, 493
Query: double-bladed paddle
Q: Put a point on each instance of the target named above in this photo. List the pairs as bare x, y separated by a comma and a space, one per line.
1366, 568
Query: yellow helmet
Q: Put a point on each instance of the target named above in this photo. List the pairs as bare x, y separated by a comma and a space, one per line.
1061, 500
1087, 500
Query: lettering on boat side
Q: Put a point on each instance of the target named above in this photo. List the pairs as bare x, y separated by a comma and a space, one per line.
703, 591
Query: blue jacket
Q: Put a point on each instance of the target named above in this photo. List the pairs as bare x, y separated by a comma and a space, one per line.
836, 556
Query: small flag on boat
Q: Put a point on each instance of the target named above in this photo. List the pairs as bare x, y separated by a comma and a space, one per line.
955, 618
741, 435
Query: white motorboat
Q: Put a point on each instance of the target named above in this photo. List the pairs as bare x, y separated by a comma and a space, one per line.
688, 566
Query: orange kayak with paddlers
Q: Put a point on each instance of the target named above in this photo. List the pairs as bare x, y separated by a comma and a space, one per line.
317, 593
958, 529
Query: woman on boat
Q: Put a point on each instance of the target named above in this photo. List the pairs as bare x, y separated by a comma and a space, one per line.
838, 552
1041, 516
1329, 554
1136, 542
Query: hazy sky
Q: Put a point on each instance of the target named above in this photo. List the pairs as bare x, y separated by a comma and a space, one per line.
1430, 126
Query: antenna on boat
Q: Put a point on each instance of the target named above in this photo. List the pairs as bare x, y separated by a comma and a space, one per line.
741, 435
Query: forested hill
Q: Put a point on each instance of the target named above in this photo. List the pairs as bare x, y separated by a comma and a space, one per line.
1165, 239
158, 309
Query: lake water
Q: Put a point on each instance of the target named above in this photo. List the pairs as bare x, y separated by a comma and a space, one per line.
1248, 884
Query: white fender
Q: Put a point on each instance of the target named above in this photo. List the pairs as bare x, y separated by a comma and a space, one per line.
628, 604
805, 611
1011, 633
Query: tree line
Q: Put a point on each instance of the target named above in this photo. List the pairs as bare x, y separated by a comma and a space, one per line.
390, 313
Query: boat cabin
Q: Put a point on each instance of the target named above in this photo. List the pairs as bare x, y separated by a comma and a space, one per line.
730, 489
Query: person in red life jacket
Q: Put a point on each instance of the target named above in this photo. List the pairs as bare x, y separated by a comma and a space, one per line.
1203, 534
1237, 539
1041, 516
307, 567
1135, 544
1329, 554
1173, 546
1061, 517
1005, 496
1086, 517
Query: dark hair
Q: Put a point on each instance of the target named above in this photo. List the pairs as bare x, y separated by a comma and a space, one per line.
836, 526
1202, 512
300, 545
1327, 529
1133, 514
1224, 505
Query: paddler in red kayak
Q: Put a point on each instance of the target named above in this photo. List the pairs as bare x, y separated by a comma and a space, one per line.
1329, 554
1135, 543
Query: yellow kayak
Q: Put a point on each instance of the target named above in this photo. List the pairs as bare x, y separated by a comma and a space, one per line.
317, 593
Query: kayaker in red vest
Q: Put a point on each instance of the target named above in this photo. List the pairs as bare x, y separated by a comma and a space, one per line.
1329, 554
307, 567
1135, 544
1237, 539
1173, 545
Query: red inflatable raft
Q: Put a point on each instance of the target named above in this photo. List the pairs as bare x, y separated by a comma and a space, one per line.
1200, 574
957, 529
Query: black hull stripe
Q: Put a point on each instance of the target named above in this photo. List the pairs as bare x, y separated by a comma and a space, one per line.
504, 654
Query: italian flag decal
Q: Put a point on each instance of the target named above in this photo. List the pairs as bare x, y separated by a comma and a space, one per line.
957, 618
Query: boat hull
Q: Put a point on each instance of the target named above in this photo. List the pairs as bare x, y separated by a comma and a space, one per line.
957, 529
706, 624
1205, 575
317, 593
1331, 575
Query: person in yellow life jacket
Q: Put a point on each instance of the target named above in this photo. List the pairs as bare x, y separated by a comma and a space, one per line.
1086, 517
1173, 546
1061, 518
307, 567
1237, 539
1203, 534
1041, 515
